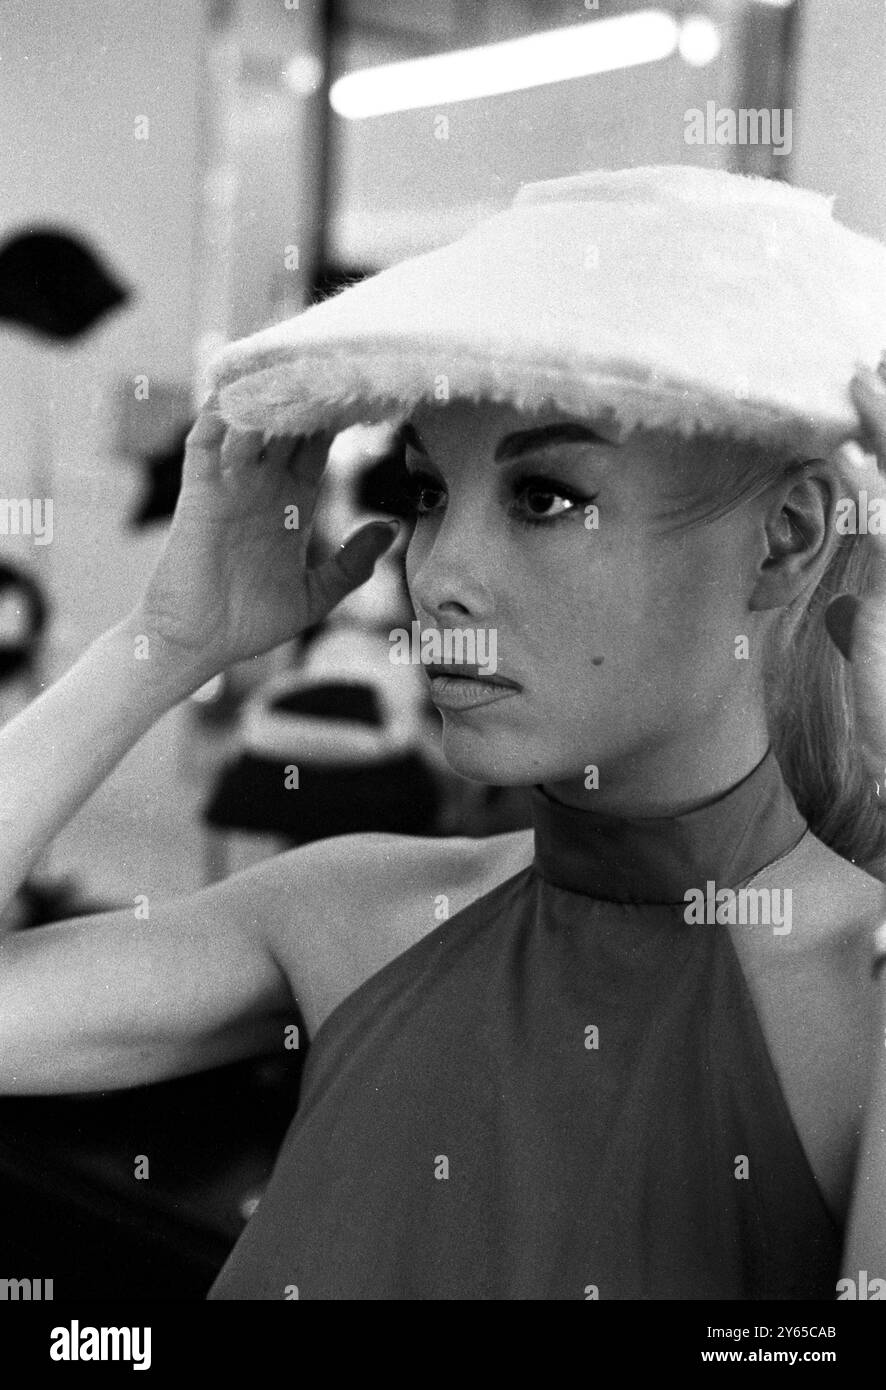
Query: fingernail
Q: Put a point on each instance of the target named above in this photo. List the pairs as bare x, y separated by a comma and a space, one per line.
856, 456
391, 525
839, 619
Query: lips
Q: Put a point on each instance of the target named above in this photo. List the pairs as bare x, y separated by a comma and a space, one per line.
460, 671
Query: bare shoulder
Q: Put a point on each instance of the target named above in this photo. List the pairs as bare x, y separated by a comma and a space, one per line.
816, 1002
840, 905
836, 904
829, 911
338, 910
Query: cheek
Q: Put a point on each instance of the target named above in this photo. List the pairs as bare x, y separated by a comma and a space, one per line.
657, 608
623, 608
694, 605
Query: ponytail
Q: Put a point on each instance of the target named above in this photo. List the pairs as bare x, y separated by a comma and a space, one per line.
812, 722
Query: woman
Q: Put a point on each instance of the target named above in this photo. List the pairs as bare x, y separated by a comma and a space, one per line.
626, 1054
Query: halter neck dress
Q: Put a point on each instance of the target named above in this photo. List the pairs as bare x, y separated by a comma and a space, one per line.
562, 1092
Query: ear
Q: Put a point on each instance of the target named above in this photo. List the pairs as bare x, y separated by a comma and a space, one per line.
799, 534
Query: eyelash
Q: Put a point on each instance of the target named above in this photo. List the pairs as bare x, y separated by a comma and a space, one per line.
417, 481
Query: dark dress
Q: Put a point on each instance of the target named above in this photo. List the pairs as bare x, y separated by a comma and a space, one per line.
464, 1133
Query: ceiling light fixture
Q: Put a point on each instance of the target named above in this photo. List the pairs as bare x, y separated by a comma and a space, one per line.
580, 50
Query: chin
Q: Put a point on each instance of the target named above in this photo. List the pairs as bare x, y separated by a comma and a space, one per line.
500, 760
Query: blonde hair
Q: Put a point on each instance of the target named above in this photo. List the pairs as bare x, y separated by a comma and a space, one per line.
812, 718
809, 704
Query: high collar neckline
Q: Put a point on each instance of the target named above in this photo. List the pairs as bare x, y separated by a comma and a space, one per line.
656, 859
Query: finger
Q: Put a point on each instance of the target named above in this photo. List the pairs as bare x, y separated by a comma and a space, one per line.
203, 441
865, 477
869, 393
240, 447
309, 456
277, 451
304, 456
207, 430
307, 464
351, 566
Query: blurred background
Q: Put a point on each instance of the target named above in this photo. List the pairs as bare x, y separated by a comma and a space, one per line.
177, 175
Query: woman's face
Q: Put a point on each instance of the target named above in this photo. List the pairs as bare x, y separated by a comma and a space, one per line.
620, 628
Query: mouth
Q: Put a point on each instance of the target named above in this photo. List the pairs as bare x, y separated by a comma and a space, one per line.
456, 671
459, 688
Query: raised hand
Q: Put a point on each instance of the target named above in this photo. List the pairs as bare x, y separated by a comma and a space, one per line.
232, 580
858, 625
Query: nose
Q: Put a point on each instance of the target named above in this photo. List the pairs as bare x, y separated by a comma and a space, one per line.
451, 576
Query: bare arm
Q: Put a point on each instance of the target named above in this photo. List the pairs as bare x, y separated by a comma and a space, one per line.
62, 746
109, 1000
113, 1000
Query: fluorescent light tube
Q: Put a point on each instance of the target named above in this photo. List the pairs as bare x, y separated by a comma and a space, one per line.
580, 50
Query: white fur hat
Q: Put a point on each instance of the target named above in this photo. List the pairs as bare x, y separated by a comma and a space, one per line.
674, 296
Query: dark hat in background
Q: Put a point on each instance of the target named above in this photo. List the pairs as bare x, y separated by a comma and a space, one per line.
55, 284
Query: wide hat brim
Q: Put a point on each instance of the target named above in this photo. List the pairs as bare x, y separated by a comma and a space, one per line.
672, 297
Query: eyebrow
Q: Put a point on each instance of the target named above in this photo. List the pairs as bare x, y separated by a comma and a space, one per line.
523, 441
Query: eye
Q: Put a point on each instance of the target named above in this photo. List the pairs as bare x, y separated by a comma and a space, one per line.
536, 497
423, 493
535, 500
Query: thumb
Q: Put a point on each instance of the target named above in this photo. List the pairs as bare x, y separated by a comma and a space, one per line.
350, 567
360, 551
